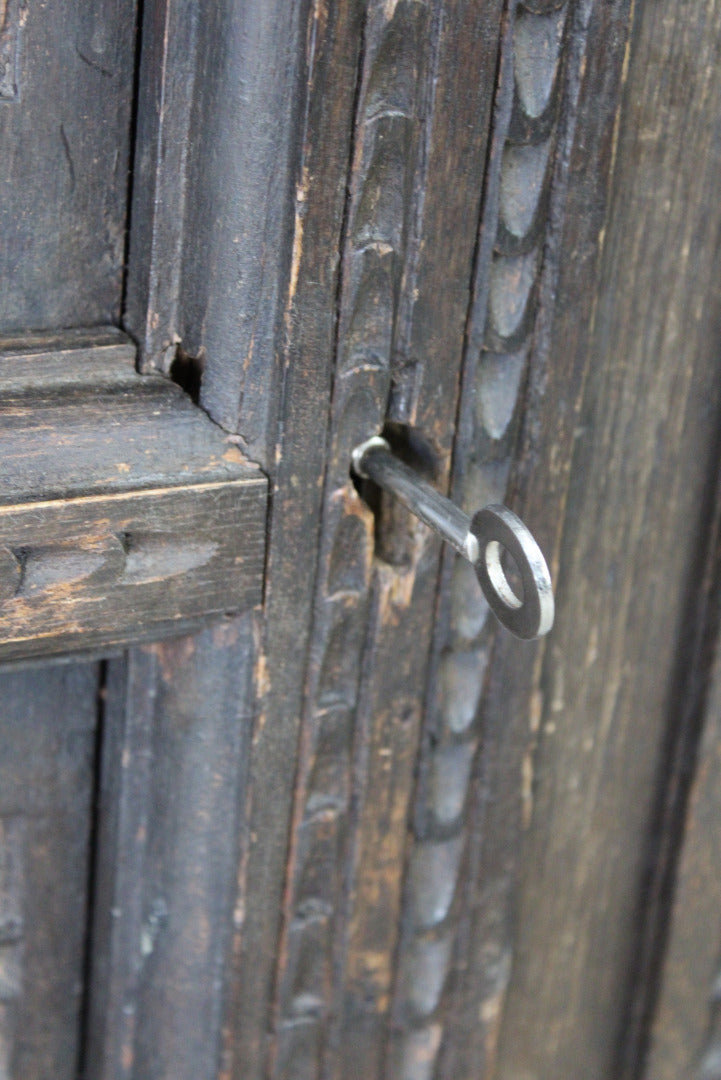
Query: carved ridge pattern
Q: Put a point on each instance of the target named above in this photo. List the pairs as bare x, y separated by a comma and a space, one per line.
379, 219
516, 200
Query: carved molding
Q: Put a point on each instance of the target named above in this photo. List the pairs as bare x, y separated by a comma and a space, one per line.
101, 542
513, 233
379, 218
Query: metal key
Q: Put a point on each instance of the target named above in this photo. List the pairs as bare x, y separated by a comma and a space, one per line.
480, 539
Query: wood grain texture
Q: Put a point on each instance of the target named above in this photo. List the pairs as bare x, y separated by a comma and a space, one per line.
66, 72
685, 1039
124, 513
66, 75
489, 692
47, 735
325, 91
221, 129
632, 546
397, 50
219, 123
425, 365
103, 428
528, 100
247, 139
175, 752
96, 355
165, 93
85, 574
673, 1025
403, 304
9, 50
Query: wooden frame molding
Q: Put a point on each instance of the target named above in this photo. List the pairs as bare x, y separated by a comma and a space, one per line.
125, 514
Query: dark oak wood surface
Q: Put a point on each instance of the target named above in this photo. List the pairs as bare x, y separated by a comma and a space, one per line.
125, 514
174, 767
354, 831
65, 109
47, 740
504, 697
679, 1030
605, 728
66, 78
220, 130
303, 362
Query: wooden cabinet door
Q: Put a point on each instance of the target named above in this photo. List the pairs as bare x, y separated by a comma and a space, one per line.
65, 106
349, 828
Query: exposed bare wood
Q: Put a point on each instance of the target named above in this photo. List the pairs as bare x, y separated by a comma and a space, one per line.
125, 514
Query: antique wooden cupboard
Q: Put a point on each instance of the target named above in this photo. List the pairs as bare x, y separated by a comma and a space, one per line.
318, 817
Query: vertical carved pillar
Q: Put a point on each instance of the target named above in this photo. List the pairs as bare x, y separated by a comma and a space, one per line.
501, 325
380, 213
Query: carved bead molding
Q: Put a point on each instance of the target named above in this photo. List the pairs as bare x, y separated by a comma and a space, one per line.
380, 217
513, 232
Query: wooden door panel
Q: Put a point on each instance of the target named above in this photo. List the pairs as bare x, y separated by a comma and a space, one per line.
678, 1021
172, 791
173, 720
356, 832
631, 588
66, 75
65, 120
47, 764
505, 705
65, 110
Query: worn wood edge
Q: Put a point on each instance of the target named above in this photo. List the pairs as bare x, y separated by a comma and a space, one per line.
115, 650
166, 85
77, 586
246, 132
55, 359
325, 89
258, 482
429, 325
159, 981
73, 337
68, 400
314, 1035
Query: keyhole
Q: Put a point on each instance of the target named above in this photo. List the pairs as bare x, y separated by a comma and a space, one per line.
395, 525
